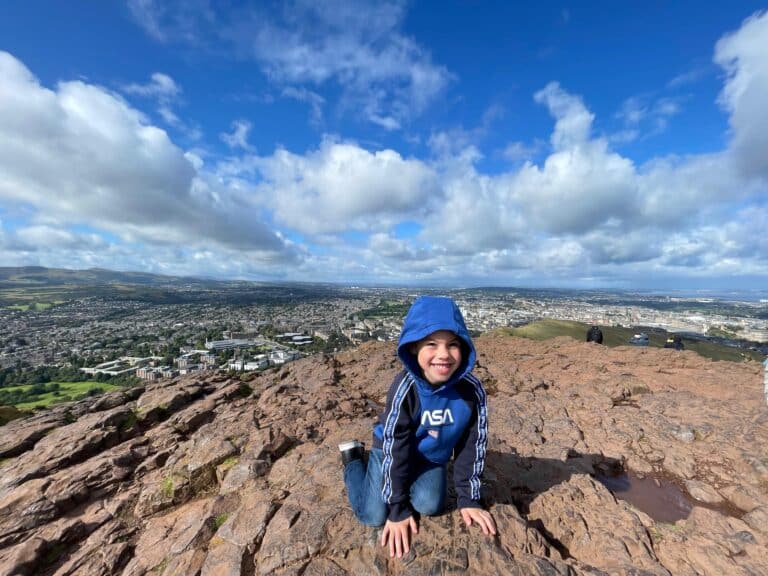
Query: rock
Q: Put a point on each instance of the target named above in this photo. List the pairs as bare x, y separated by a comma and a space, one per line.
758, 519
572, 517
703, 493
743, 497
684, 434
205, 476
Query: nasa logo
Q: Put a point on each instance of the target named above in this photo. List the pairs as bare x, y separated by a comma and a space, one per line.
436, 417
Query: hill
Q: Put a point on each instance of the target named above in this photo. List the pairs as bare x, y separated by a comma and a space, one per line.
29, 276
618, 336
218, 476
34, 286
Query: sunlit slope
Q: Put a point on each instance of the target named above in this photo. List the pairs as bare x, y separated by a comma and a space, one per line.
617, 336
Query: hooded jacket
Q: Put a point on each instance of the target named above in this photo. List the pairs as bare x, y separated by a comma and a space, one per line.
432, 423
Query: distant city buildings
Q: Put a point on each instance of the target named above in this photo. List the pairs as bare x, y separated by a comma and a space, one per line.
117, 337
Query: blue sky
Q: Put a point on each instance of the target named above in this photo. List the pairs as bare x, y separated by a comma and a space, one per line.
582, 144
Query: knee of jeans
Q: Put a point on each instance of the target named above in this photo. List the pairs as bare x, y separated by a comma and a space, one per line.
429, 506
371, 518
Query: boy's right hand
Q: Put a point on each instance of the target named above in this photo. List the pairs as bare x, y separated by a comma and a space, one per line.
397, 535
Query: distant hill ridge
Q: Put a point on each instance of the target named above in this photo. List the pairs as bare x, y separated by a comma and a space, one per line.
36, 275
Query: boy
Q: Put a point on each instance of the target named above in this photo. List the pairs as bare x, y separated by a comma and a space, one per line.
435, 408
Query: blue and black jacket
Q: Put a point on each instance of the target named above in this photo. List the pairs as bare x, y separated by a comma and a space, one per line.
421, 421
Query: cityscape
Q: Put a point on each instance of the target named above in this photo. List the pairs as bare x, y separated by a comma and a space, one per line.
242, 326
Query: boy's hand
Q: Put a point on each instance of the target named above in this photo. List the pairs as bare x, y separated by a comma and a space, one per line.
482, 517
397, 535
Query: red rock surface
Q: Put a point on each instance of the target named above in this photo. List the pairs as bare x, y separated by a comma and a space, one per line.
213, 477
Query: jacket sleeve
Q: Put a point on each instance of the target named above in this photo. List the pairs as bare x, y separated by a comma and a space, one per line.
396, 439
470, 451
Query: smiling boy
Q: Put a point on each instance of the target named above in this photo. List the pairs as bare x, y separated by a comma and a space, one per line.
435, 408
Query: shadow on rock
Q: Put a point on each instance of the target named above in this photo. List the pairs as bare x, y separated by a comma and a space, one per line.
518, 480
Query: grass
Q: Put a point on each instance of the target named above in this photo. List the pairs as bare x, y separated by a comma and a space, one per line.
168, 487
219, 520
160, 568
130, 421
8, 413
38, 306
67, 392
229, 462
617, 336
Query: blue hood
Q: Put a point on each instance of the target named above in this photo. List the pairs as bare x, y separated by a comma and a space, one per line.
429, 314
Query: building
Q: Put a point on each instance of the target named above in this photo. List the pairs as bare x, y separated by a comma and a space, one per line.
277, 357
230, 344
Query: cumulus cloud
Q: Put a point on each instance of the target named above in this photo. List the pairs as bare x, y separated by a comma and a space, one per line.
742, 55
588, 210
32, 238
574, 120
342, 186
81, 154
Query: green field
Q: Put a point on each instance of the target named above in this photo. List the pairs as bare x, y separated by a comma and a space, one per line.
617, 336
68, 391
38, 306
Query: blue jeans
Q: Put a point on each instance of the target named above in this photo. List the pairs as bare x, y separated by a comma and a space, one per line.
427, 493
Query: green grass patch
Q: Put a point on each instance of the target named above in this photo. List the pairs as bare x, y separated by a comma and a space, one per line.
219, 520
37, 306
385, 309
160, 568
130, 421
231, 461
618, 336
8, 413
168, 487
67, 391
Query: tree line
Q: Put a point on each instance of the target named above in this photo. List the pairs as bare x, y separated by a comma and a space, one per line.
21, 376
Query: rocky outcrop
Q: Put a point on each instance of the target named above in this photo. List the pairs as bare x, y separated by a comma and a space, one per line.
220, 476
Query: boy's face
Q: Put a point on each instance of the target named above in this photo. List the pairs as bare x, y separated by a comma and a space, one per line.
438, 355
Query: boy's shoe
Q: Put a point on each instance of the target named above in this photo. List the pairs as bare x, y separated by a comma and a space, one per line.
352, 450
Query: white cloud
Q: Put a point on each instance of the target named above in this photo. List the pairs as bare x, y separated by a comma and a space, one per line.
742, 55
315, 101
645, 116
357, 45
342, 186
165, 92
80, 154
384, 76
517, 151
574, 121
37, 237
166, 21
160, 86
238, 138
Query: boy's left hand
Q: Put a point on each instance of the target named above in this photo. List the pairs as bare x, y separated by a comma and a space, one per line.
482, 517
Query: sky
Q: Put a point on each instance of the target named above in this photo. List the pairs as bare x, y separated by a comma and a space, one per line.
450, 143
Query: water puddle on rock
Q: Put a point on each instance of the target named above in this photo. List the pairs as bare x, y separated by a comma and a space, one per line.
659, 497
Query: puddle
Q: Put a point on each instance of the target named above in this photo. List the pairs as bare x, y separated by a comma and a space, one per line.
660, 498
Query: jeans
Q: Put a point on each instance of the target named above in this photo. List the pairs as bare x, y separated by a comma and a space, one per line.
364, 483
